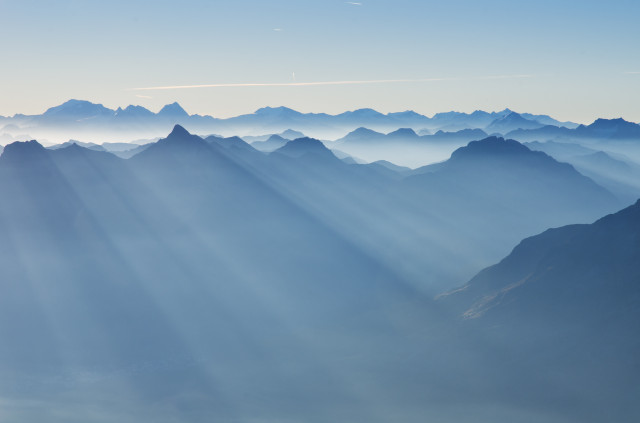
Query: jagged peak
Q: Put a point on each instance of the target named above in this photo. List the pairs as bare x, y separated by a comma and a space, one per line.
179, 132
173, 109
610, 122
513, 115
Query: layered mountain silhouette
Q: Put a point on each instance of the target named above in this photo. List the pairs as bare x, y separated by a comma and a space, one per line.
454, 121
563, 270
89, 122
507, 186
617, 172
202, 279
511, 122
404, 146
303, 147
566, 302
272, 143
600, 129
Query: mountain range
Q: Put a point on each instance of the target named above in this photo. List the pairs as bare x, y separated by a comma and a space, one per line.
202, 279
617, 172
79, 119
404, 146
600, 129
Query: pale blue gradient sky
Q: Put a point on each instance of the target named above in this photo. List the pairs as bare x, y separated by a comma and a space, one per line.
581, 57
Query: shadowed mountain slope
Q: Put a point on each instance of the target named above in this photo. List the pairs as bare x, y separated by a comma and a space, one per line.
500, 190
567, 303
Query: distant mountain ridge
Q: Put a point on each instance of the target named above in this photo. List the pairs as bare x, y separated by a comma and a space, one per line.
78, 118
404, 146
600, 129
511, 122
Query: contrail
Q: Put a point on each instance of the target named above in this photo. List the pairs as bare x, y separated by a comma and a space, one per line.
321, 83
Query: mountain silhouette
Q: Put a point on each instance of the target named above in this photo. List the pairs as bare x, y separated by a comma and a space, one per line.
77, 109
173, 110
360, 136
599, 130
305, 147
272, 143
511, 122
610, 128
86, 121
507, 185
566, 301
288, 134
618, 173
403, 146
599, 259
404, 133
133, 112
454, 121
277, 112
218, 281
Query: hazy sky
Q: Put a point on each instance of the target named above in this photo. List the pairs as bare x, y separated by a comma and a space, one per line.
575, 60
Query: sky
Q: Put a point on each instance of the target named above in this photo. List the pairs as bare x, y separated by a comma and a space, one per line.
574, 60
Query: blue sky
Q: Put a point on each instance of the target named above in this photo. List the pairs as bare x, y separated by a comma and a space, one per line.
575, 60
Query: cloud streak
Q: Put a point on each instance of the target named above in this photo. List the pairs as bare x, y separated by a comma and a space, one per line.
324, 83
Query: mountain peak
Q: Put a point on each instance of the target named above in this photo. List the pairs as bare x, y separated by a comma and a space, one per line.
77, 108
406, 113
291, 134
611, 128
511, 122
403, 132
20, 151
490, 146
365, 112
302, 146
512, 117
173, 110
609, 123
362, 131
179, 132
275, 110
